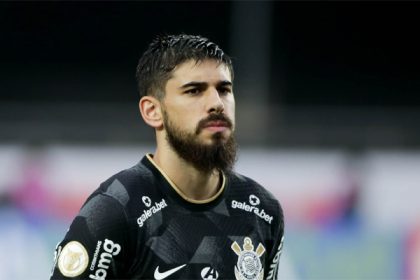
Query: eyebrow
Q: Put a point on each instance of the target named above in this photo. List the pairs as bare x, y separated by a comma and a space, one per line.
204, 84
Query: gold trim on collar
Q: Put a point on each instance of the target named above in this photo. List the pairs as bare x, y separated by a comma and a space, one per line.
149, 157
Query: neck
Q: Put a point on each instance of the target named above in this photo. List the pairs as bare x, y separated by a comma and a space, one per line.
194, 184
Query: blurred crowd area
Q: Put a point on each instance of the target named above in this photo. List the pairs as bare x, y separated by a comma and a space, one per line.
347, 216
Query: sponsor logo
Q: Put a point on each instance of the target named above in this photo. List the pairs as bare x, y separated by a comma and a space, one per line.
249, 265
162, 275
95, 255
147, 213
73, 259
272, 273
253, 200
110, 249
209, 273
147, 201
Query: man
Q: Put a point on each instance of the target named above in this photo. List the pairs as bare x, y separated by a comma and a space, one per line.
181, 213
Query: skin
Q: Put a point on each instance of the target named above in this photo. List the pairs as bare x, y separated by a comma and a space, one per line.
194, 91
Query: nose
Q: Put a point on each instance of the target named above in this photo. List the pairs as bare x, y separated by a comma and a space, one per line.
214, 102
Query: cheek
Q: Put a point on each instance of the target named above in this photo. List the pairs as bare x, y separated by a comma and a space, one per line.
230, 109
186, 119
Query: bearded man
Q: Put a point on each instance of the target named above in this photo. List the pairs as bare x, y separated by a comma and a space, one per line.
181, 212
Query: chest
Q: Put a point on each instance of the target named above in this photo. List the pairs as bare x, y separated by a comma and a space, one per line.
223, 243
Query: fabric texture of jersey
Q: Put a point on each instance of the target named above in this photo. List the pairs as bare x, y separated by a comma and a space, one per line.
137, 225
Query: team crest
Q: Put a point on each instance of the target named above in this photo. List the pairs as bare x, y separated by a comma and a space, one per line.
249, 265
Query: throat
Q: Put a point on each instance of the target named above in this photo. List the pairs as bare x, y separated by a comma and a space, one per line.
191, 184
203, 188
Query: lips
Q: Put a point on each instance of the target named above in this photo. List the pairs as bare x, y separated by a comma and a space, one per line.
216, 124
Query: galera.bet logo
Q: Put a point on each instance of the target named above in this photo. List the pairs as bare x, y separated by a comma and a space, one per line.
254, 200
151, 209
147, 201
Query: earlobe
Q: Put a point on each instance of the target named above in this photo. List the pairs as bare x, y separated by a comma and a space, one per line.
150, 111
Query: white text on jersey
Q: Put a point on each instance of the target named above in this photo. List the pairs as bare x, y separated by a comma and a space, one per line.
152, 210
111, 249
248, 208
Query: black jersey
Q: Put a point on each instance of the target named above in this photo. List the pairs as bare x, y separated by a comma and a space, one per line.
138, 225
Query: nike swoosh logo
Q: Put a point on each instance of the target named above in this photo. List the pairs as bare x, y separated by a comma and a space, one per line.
162, 275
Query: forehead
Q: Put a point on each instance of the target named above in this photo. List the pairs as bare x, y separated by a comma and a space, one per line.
208, 70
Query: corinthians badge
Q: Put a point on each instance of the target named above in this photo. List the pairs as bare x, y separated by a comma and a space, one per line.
249, 265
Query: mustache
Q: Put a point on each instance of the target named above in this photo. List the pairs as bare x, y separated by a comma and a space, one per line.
211, 118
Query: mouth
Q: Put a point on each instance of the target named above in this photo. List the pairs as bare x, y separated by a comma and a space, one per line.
217, 126
215, 123
218, 123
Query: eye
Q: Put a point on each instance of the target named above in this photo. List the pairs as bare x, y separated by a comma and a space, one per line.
225, 90
192, 91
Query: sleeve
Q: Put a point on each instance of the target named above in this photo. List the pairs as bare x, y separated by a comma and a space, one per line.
273, 260
96, 244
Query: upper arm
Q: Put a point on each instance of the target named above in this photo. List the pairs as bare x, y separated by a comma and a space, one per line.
95, 245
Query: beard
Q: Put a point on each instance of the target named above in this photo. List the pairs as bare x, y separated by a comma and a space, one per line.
219, 155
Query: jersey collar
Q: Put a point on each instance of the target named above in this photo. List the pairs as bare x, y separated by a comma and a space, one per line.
149, 159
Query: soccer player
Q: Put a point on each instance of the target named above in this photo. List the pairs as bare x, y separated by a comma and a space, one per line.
181, 212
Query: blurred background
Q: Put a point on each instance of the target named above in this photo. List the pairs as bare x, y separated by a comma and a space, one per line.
328, 113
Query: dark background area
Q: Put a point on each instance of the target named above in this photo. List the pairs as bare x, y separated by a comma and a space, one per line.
336, 73
349, 53
66, 43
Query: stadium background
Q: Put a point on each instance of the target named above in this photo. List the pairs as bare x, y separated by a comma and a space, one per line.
327, 107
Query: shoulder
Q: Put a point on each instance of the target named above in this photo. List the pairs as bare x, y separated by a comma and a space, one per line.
247, 191
126, 183
248, 196
242, 185
113, 199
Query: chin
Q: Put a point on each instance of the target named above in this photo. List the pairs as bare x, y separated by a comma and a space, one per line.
219, 138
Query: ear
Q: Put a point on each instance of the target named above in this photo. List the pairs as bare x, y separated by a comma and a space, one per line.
151, 111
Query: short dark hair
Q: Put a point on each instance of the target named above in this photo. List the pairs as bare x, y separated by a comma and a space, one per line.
166, 52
